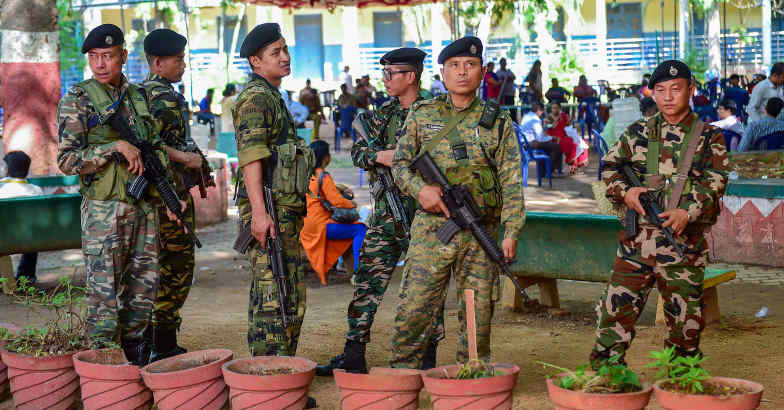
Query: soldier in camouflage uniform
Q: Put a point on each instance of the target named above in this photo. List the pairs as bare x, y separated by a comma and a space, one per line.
647, 259
165, 51
119, 233
482, 156
386, 241
270, 153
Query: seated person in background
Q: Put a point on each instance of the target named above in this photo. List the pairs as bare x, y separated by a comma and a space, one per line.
583, 90
648, 107
738, 94
766, 125
299, 113
227, 103
16, 185
531, 127
557, 94
728, 120
309, 98
555, 125
346, 99
323, 239
205, 114
437, 87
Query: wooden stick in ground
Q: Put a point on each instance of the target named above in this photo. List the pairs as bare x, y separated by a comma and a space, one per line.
471, 324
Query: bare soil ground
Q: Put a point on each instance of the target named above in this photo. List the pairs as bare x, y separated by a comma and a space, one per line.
215, 316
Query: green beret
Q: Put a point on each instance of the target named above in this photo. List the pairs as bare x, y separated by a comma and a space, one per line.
103, 36
468, 46
259, 37
164, 42
669, 70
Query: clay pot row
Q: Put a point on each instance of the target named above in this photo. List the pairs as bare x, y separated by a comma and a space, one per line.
390, 389
564, 399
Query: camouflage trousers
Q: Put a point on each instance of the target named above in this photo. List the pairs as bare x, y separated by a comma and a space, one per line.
316, 118
381, 251
423, 291
639, 266
120, 246
267, 336
176, 260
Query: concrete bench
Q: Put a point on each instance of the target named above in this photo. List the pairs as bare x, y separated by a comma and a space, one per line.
578, 247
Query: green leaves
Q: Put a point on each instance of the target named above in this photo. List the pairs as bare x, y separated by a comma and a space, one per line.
476, 369
611, 377
685, 372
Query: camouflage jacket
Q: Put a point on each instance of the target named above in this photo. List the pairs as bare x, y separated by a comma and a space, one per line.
76, 156
260, 117
388, 119
425, 121
707, 177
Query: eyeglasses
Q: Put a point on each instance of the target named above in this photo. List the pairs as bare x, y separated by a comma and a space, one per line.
389, 73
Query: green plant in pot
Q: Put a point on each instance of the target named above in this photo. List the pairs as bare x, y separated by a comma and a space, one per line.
682, 383
612, 386
39, 359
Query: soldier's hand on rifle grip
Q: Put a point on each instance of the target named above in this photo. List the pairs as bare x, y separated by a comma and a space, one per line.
430, 200
385, 157
173, 217
632, 199
132, 155
509, 246
192, 160
676, 218
261, 223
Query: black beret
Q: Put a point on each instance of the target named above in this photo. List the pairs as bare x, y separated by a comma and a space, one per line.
259, 37
103, 36
164, 42
465, 47
405, 55
670, 70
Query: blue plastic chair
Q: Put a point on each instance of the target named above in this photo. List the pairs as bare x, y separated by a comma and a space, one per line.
770, 142
600, 145
347, 115
541, 158
588, 117
729, 136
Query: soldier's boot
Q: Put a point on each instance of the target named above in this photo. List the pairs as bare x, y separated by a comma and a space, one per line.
165, 344
429, 361
137, 352
351, 360
311, 403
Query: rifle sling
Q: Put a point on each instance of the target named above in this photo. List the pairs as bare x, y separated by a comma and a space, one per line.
686, 160
450, 130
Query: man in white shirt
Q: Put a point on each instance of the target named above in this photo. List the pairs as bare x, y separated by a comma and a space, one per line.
348, 81
765, 90
728, 121
531, 127
16, 185
437, 87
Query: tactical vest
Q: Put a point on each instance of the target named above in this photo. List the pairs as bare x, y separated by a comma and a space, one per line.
289, 168
479, 175
109, 183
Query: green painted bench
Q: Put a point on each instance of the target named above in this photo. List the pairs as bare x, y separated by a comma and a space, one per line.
578, 247
40, 223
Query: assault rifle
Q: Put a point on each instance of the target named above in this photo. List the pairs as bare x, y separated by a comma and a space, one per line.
154, 172
201, 177
246, 240
652, 211
465, 213
385, 180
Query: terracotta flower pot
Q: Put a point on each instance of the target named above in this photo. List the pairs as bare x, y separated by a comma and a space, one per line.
108, 381
564, 399
676, 401
3, 367
480, 394
192, 380
383, 388
250, 390
48, 382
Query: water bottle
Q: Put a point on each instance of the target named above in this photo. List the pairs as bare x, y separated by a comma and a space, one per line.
762, 312
733, 175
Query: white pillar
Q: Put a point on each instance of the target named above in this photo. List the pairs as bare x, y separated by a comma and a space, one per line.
601, 30
91, 18
351, 39
714, 37
766, 36
683, 27
437, 28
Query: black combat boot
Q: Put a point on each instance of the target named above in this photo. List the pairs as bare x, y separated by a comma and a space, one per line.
429, 361
311, 403
137, 352
351, 360
165, 344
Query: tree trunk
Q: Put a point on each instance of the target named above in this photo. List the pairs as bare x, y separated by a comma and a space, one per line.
714, 37
30, 78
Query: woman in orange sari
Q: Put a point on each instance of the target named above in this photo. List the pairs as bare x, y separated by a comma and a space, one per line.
323, 239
